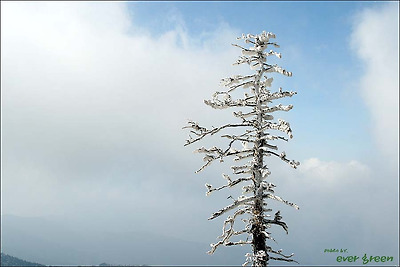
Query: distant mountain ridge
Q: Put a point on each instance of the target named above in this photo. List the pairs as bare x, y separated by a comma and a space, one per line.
53, 243
7, 260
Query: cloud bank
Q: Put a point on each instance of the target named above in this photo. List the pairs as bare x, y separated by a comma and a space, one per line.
375, 41
93, 108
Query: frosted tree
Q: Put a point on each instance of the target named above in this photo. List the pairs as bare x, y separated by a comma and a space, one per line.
256, 143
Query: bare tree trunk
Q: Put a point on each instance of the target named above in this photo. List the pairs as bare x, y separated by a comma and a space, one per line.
259, 244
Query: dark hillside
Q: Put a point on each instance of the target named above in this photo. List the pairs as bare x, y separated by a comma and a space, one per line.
7, 260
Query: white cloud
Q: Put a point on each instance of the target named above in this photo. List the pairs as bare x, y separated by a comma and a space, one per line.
322, 178
332, 172
87, 96
375, 39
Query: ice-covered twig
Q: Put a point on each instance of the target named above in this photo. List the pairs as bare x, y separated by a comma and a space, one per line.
235, 79
242, 115
276, 95
271, 196
235, 204
276, 68
202, 132
294, 164
279, 107
283, 259
268, 146
228, 102
282, 126
241, 242
230, 184
242, 138
217, 153
279, 252
227, 233
273, 137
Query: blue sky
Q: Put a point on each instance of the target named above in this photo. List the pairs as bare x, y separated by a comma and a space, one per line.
316, 36
94, 96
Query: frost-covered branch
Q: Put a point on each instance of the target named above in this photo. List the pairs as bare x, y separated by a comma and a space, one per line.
283, 259
294, 164
241, 242
236, 203
227, 102
268, 136
244, 138
216, 153
231, 183
282, 126
202, 132
276, 95
276, 68
281, 200
235, 79
227, 233
279, 107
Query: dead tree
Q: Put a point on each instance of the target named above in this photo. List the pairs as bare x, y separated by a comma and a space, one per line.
256, 141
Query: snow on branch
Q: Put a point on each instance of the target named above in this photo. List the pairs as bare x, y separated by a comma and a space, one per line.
294, 164
240, 242
268, 146
236, 203
251, 258
271, 196
278, 107
260, 40
256, 258
231, 183
215, 153
282, 257
227, 101
279, 252
235, 79
276, 68
270, 53
273, 137
243, 84
201, 132
227, 233
267, 187
282, 126
276, 95
243, 59
267, 82
244, 116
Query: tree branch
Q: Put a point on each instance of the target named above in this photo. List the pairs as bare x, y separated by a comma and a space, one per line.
281, 200
230, 184
232, 206
202, 132
279, 107
283, 259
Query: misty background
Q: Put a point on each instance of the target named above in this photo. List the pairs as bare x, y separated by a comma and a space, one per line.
95, 95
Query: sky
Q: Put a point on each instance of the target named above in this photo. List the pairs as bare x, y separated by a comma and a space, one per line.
95, 95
